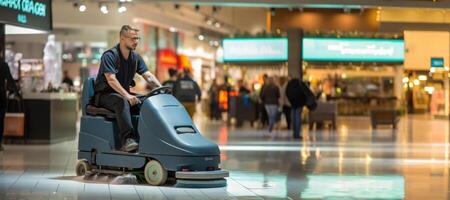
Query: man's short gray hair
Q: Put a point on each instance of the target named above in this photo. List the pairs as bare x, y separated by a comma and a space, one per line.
126, 28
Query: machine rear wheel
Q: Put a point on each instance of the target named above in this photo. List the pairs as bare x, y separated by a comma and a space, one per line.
154, 173
82, 167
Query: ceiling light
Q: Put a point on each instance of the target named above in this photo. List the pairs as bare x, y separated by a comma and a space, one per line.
122, 9
104, 9
82, 8
423, 77
217, 25
173, 29
209, 22
201, 37
405, 80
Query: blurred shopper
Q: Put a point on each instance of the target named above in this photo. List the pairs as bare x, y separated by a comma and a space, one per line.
286, 104
297, 99
6, 83
262, 109
271, 96
242, 88
173, 76
66, 79
213, 93
187, 91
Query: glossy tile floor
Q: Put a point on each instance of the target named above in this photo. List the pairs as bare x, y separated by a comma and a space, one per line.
352, 162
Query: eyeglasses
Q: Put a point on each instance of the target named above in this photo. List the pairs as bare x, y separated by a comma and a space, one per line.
134, 38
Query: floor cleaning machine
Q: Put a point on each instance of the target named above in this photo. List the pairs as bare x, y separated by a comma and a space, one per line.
170, 145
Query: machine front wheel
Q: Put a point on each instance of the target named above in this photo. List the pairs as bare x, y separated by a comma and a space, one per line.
82, 167
154, 173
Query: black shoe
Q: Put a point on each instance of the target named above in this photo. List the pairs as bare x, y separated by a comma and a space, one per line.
130, 145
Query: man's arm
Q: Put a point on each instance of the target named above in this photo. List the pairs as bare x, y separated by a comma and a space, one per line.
151, 79
114, 83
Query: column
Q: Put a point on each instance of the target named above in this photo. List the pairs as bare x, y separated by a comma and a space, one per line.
295, 58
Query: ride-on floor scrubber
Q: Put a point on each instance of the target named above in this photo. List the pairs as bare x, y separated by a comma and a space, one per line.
169, 143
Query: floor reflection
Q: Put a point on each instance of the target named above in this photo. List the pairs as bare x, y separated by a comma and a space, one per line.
351, 162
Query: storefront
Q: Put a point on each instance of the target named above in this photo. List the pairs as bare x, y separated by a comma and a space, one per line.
245, 62
249, 58
47, 112
426, 77
359, 74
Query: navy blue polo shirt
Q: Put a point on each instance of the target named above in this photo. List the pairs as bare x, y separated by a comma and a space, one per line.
125, 71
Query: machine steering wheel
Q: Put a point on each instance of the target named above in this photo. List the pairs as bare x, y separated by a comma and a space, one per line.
160, 90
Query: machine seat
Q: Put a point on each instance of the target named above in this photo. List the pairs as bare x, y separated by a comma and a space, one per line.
97, 111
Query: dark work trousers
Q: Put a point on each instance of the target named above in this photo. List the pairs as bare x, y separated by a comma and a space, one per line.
120, 105
2, 122
287, 114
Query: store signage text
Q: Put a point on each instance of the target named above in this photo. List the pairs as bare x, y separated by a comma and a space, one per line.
26, 6
255, 49
22, 18
35, 14
345, 49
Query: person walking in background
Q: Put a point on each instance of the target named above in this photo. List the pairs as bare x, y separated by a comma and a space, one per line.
173, 76
187, 91
66, 79
242, 88
213, 93
297, 99
286, 104
271, 96
262, 109
6, 82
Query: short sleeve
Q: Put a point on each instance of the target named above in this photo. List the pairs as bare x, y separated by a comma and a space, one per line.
108, 63
142, 67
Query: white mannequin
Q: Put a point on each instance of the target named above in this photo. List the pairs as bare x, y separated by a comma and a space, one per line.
51, 64
10, 58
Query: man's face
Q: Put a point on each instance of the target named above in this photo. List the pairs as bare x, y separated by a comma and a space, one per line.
130, 39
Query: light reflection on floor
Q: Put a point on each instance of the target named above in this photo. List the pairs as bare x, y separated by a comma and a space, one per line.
352, 162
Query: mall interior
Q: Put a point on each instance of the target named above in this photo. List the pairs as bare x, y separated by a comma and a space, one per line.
375, 76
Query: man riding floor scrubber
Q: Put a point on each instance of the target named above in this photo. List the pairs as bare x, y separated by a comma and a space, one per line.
169, 143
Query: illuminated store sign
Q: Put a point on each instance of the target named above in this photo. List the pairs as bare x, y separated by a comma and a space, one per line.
27, 13
255, 49
437, 62
349, 49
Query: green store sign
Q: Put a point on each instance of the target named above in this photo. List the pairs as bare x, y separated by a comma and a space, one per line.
353, 49
27, 13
